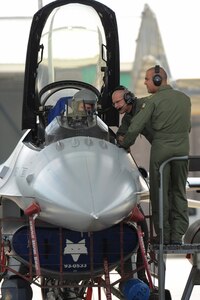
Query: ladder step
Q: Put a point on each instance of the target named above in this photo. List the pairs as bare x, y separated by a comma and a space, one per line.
177, 249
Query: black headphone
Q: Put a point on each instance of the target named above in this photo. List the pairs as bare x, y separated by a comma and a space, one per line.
157, 79
128, 97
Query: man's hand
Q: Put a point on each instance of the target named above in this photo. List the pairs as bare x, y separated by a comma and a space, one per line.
120, 139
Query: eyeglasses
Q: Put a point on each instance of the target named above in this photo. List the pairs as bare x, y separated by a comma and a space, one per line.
117, 101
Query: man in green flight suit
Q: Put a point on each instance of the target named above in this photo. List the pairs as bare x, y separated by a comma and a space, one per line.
168, 111
126, 103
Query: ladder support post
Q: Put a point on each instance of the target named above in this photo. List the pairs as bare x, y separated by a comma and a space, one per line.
161, 263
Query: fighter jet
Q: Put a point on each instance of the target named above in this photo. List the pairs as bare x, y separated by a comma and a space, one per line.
68, 191
67, 187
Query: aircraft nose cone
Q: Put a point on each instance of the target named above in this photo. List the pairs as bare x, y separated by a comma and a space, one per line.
85, 184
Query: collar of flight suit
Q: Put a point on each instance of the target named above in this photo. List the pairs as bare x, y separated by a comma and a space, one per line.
164, 87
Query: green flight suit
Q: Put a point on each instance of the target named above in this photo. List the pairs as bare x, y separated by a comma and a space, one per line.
127, 118
169, 113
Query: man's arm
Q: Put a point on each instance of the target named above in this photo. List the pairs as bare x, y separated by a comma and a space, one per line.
126, 121
138, 123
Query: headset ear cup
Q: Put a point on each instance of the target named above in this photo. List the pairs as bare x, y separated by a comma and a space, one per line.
129, 97
157, 79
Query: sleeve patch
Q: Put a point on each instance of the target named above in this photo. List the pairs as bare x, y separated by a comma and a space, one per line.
143, 105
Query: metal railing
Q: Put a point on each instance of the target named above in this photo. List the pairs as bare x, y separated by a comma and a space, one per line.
161, 262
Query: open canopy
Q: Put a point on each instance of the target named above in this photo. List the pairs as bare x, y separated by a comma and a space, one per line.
71, 43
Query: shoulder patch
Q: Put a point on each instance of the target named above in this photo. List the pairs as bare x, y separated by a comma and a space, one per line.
143, 105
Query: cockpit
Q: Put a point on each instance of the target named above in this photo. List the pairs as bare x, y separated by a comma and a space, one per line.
74, 116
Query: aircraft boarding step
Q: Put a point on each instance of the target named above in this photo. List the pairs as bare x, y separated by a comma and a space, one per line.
177, 249
161, 250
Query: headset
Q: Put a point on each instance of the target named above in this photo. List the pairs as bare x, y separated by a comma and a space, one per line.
157, 79
128, 97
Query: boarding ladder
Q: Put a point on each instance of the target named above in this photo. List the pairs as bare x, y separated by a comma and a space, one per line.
161, 249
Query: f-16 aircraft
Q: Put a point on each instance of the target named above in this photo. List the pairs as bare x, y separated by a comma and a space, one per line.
68, 191
67, 187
